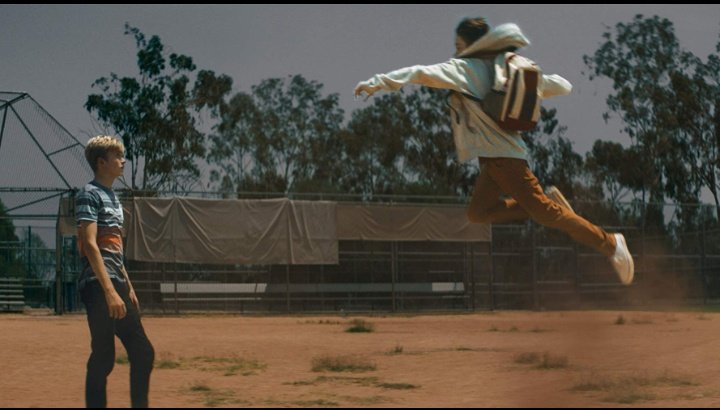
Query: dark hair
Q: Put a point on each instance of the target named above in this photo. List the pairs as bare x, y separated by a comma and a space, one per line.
471, 29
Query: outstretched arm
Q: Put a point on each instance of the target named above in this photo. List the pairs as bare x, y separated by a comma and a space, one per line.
451, 75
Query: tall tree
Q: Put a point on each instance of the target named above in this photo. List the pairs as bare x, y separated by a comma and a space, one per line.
553, 159
283, 137
374, 143
230, 145
156, 114
430, 156
610, 166
640, 58
696, 118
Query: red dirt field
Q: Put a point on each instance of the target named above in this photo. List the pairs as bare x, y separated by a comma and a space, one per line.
500, 359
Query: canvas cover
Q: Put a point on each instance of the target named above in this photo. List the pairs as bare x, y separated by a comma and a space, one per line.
408, 223
275, 231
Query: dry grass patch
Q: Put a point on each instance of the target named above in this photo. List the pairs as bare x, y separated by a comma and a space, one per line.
544, 361
632, 388
215, 397
527, 358
230, 366
360, 326
354, 364
167, 361
360, 381
396, 350
122, 359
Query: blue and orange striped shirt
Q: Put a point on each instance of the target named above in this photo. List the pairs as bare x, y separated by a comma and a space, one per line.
99, 204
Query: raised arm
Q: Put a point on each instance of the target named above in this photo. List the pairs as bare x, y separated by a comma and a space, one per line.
451, 75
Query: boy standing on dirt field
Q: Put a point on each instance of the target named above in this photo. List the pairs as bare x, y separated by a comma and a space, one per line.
110, 300
502, 154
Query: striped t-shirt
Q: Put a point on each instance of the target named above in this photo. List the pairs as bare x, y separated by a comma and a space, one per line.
99, 204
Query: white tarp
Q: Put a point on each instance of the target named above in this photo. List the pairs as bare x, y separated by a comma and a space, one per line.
408, 223
274, 231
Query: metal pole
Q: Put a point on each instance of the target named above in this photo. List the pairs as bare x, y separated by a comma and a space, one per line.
58, 269
40, 148
27, 250
472, 274
393, 271
177, 308
642, 237
576, 260
702, 262
536, 300
491, 278
287, 286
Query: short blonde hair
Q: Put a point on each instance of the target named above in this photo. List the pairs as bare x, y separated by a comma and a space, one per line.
100, 146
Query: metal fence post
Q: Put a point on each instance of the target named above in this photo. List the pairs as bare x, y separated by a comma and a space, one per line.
472, 273
491, 277
393, 271
177, 307
536, 298
59, 305
703, 263
642, 239
28, 244
287, 286
576, 261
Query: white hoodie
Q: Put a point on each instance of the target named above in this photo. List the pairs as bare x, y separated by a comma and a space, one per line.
475, 134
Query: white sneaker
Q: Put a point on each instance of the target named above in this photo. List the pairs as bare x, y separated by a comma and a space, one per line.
553, 193
622, 260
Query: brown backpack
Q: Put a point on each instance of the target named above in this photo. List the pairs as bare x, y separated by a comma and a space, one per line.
514, 98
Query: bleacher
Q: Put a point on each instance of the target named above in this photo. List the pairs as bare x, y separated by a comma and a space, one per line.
12, 298
352, 296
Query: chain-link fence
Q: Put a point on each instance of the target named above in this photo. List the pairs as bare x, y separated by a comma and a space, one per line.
524, 266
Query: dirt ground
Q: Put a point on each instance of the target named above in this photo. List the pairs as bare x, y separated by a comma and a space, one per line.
498, 359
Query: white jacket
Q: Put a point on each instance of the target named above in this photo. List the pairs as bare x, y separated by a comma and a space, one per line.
475, 134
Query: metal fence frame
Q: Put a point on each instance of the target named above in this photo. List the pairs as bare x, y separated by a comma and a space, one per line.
525, 266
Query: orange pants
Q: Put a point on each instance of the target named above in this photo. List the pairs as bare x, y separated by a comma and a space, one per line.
513, 177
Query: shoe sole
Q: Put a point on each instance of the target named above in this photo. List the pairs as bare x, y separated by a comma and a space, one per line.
626, 277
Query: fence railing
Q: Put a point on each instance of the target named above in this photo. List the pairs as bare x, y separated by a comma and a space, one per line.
525, 266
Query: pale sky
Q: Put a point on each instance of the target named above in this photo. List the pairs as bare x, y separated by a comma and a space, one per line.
55, 53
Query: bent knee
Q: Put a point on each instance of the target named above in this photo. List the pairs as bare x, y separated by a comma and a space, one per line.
101, 365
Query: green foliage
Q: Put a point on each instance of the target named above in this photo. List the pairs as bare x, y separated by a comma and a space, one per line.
287, 136
360, 326
281, 138
553, 158
666, 98
342, 364
156, 114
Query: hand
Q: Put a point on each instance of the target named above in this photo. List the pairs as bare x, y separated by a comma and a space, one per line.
134, 299
116, 306
364, 87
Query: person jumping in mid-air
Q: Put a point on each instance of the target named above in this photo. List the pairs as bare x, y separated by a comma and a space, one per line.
502, 154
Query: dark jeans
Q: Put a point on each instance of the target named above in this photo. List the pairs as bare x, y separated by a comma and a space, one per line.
102, 359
